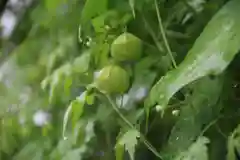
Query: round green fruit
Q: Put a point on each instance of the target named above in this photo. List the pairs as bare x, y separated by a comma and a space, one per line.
112, 79
126, 47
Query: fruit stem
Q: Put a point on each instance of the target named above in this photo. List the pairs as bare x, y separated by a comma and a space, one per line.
142, 137
164, 35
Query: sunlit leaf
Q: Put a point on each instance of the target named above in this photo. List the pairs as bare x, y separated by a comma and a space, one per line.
81, 63
197, 151
202, 109
129, 141
78, 105
67, 85
74, 154
53, 4
204, 58
90, 99
75, 109
89, 130
90, 10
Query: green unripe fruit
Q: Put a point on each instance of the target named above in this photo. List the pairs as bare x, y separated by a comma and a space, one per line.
112, 79
126, 47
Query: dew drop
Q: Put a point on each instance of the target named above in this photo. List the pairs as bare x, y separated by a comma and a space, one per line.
175, 112
159, 108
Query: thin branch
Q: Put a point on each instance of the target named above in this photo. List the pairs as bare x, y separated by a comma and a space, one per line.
164, 35
154, 37
142, 137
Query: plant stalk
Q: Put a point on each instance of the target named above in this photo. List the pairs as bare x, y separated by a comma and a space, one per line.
142, 137
164, 35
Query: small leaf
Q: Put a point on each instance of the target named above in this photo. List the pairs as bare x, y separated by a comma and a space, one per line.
101, 54
89, 130
76, 108
67, 85
81, 63
63, 73
129, 141
53, 85
65, 120
197, 151
100, 21
45, 82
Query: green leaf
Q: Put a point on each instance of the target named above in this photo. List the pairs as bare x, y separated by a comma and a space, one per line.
90, 10
62, 147
100, 21
76, 109
230, 148
58, 76
204, 58
129, 141
81, 63
101, 54
51, 5
8, 142
197, 151
33, 150
132, 5
90, 98
78, 106
75, 154
67, 85
233, 143
202, 109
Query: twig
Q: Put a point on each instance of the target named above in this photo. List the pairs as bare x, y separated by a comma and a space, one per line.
154, 37
164, 35
213, 122
208, 126
142, 137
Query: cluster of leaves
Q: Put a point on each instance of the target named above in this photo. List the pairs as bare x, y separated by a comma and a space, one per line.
191, 108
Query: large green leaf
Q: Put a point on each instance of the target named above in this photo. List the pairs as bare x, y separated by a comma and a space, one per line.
93, 8
202, 108
211, 54
197, 151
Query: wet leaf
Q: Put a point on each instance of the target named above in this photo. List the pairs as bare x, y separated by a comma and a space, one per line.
197, 151
211, 53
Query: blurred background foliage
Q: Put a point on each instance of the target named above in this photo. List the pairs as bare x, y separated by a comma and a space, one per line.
56, 49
